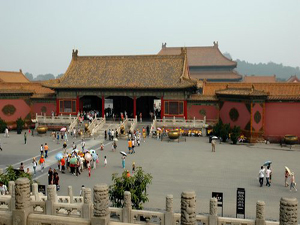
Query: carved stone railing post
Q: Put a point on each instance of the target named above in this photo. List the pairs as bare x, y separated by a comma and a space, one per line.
101, 212
169, 215
51, 199
188, 208
70, 193
22, 201
35, 191
260, 213
288, 211
11, 189
127, 208
213, 212
87, 203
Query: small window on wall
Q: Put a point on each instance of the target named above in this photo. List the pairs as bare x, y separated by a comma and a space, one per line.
174, 108
67, 106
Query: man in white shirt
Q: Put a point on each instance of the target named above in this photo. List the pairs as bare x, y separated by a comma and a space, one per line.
261, 175
3, 188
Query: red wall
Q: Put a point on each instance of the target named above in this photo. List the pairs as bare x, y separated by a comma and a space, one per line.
244, 114
37, 108
257, 108
212, 111
22, 109
282, 118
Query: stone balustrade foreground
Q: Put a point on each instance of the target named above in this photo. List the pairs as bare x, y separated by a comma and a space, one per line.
25, 208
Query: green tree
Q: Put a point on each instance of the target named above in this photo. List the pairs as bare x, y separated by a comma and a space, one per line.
137, 185
217, 128
11, 175
3, 125
234, 134
20, 125
224, 132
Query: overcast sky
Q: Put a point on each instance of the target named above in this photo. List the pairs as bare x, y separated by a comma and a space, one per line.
38, 36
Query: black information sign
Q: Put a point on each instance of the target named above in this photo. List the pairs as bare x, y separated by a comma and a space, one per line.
240, 201
42, 188
219, 197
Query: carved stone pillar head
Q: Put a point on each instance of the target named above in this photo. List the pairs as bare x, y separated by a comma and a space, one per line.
101, 200
87, 196
288, 211
213, 207
260, 210
35, 188
188, 208
127, 199
169, 203
22, 193
51, 193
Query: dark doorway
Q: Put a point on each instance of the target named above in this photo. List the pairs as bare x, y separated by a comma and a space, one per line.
122, 104
145, 105
89, 103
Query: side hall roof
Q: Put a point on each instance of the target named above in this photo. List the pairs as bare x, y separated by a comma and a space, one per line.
137, 72
275, 91
201, 56
13, 77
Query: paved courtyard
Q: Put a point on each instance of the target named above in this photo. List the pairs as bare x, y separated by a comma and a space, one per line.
178, 167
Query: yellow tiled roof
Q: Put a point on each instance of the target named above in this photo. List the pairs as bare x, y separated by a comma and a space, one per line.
13, 77
143, 71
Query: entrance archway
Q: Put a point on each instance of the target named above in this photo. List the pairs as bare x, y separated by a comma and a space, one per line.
121, 104
90, 103
145, 105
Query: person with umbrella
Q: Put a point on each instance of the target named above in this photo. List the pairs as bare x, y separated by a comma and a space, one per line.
123, 159
268, 176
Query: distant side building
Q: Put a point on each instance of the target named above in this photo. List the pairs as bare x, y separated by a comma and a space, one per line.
259, 79
293, 79
21, 98
207, 63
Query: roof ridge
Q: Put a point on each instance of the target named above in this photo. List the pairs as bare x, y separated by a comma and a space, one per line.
130, 56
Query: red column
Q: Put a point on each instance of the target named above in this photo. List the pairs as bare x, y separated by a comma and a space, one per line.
134, 107
103, 105
185, 109
57, 107
162, 107
77, 104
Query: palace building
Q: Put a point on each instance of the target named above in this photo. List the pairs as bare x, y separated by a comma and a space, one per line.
134, 84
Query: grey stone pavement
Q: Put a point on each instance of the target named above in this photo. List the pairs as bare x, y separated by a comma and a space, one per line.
178, 167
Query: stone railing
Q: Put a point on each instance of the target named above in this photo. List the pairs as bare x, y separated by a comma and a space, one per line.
180, 122
133, 124
73, 124
97, 211
98, 123
62, 119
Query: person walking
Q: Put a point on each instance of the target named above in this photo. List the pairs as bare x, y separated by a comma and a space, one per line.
293, 182
286, 175
213, 145
133, 145
34, 165
56, 181
105, 161
0, 145
6, 133
50, 176
42, 163
261, 175
57, 137
62, 164
101, 147
268, 175
123, 161
42, 150
46, 148
130, 146
133, 167
105, 135
66, 136
82, 144
25, 138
